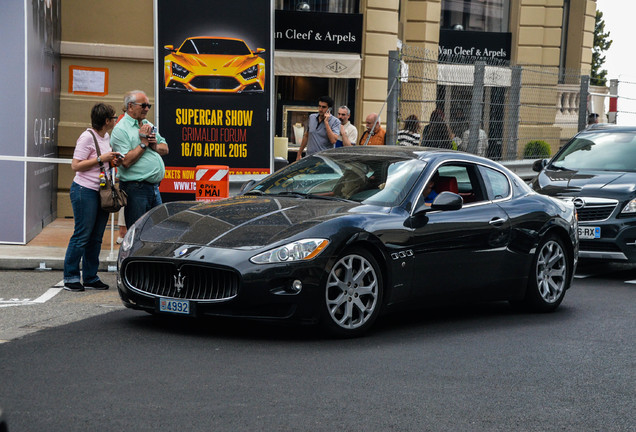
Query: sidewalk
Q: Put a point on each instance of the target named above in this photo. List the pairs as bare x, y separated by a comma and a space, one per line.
46, 251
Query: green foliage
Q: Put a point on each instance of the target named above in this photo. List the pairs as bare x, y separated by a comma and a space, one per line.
537, 149
601, 44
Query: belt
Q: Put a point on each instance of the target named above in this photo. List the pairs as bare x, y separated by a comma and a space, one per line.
141, 182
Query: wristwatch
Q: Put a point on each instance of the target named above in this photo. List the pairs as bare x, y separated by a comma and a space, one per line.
143, 146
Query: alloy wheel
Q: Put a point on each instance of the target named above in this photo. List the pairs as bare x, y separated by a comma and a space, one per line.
352, 292
551, 271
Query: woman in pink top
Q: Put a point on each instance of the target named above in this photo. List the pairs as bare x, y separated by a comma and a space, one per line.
90, 220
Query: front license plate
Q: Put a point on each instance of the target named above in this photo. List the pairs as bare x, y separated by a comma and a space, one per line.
589, 233
174, 306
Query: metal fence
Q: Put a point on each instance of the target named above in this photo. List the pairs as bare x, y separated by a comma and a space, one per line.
624, 88
490, 108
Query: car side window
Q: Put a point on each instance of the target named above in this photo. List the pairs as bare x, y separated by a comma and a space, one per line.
496, 182
461, 179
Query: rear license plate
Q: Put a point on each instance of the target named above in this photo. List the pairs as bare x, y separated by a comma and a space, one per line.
589, 233
174, 306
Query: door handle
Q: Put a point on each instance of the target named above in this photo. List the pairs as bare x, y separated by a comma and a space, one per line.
497, 222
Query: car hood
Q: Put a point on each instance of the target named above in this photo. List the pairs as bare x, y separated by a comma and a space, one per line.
575, 183
221, 64
241, 222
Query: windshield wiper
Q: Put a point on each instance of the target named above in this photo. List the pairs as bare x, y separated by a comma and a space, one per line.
330, 198
560, 168
293, 194
312, 196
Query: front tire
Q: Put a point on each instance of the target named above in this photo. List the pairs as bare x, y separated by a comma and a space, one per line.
549, 276
353, 294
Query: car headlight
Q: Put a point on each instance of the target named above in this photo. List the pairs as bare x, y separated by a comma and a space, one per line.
128, 239
250, 73
630, 208
301, 250
179, 71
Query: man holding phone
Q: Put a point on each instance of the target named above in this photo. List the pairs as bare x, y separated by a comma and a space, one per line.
142, 168
321, 131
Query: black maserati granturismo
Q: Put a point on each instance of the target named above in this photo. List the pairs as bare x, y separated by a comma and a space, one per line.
342, 236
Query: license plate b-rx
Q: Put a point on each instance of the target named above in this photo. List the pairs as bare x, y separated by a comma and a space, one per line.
589, 233
174, 306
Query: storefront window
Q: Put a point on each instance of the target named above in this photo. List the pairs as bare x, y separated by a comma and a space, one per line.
475, 15
334, 6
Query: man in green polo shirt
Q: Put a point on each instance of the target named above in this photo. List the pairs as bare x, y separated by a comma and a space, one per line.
142, 167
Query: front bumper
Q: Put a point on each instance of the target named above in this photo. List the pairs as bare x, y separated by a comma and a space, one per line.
617, 241
260, 291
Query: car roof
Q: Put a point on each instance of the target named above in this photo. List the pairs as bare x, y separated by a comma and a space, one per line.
406, 151
413, 152
608, 127
431, 155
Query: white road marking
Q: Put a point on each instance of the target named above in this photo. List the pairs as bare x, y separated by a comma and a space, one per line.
52, 292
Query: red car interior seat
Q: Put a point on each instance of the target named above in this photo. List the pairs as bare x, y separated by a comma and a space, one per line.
446, 184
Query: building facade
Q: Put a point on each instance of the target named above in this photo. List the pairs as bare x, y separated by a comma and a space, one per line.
119, 39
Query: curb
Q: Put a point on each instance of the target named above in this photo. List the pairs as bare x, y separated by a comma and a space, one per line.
45, 258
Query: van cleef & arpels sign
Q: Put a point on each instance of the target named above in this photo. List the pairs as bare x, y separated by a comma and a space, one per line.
318, 31
471, 46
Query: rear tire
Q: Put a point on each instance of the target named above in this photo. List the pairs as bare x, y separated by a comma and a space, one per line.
353, 294
549, 276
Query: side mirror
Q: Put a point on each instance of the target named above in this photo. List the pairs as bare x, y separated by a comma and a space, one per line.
169, 47
259, 51
539, 164
247, 186
445, 201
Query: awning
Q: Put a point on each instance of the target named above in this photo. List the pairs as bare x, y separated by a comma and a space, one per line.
463, 75
317, 64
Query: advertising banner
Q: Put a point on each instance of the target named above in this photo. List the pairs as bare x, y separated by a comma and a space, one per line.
29, 117
214, 76
43, 75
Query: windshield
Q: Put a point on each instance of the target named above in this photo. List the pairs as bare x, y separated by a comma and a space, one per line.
614, 151
215, 46
368, 179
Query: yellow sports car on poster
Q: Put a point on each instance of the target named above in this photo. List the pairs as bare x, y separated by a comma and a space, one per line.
214, 65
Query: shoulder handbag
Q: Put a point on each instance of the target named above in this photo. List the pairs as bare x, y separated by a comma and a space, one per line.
111, 198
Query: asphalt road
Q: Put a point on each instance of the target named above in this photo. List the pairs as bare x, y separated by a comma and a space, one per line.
79, 362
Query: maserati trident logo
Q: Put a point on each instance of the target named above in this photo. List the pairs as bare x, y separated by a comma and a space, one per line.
179, 282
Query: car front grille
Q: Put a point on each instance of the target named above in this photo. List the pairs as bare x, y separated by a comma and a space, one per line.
591, 213
188, 281
592, 209
214, 83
